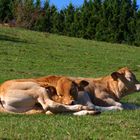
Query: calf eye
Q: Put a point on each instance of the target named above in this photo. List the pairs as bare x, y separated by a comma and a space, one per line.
73, 90
131, 78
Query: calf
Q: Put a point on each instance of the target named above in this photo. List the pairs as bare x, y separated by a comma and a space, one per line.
53, 93
105, 92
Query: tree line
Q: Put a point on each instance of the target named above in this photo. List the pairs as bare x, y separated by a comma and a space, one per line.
116, 21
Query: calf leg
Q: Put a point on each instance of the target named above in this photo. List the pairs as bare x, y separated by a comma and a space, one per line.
113, 105
84, 99
49, 104
86, 112
57, 107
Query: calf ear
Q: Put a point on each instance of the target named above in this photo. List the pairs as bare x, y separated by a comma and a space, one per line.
51, 90
115, 75
83, 83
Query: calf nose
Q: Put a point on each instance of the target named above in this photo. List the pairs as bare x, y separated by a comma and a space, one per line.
70, 102
137, 87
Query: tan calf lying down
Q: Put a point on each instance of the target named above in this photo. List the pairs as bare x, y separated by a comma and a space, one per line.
107, 91
21, 95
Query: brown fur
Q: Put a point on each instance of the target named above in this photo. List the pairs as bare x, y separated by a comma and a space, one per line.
105, 91
108, 90
48, 91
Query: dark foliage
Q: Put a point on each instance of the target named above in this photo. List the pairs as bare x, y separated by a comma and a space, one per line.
104, 20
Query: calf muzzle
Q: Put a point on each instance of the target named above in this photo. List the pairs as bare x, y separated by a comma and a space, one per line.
137, 87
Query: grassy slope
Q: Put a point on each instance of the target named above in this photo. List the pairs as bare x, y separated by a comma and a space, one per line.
26, 54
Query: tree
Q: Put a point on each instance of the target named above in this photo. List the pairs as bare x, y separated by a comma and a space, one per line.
76, 26
132, 22
85, 14
124, 16
94, 18
69, 19
54, 21
117, 21
24, 13
137, 35
47, 21
38, 4
102, 26
61, 21
90, 22
6, 10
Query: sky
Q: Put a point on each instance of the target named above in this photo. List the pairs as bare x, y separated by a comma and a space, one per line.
63, 3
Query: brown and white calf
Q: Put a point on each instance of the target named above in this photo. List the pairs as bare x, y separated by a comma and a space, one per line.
105, 93
53, 93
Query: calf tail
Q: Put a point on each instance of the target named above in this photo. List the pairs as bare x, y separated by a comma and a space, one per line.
1, 107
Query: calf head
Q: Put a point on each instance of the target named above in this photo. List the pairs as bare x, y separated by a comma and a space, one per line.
67, 90
126, 81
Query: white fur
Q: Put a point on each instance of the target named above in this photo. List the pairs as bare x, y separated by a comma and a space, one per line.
137, 87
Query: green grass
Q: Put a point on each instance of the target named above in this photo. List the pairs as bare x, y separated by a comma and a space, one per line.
26, 54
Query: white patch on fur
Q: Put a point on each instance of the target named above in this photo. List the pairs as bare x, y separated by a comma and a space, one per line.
110, 108
84, 112
137, 87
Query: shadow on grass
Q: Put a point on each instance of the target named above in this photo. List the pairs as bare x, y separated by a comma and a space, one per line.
12, 39
130, 106
4, 138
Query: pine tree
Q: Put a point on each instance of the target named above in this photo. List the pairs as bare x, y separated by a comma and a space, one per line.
76, 26
90, 24
102, 26
69, 19
85, 14
23, 13
137, 35
94, 17
117, 21
42, 14
124, 15
6, 10
47, 21
132, 22
54, 20
61, 21
38, 4
28, 13
113, 22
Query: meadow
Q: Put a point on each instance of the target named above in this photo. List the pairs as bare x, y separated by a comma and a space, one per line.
25, 54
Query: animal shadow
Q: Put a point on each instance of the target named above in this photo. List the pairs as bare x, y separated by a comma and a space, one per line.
130, 106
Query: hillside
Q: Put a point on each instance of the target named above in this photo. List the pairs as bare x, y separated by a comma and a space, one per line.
26, 54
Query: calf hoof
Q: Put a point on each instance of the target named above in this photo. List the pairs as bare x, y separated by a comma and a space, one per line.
116, 108
86, 112
49, 113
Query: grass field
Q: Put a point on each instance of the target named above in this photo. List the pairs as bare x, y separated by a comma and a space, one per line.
26, 54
